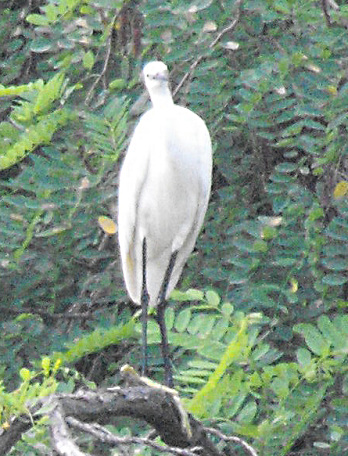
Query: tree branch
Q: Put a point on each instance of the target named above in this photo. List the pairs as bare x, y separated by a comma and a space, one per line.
61, 438
155, 406
103, 435
9, 437
143, 399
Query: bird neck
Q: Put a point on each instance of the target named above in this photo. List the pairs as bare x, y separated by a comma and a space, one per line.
161, 97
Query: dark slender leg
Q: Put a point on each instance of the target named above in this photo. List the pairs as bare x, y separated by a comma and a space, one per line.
144, 305
162, 304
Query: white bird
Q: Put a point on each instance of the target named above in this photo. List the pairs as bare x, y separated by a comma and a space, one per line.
164, 190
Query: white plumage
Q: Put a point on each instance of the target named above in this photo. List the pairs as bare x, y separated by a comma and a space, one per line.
164, 188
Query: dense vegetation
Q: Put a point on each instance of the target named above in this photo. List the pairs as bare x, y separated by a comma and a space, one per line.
260, 344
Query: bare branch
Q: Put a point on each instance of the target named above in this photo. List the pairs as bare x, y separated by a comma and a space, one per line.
48, 315
333, 5
106, 62
106, 436
227, 438
231, 26
223, 32
60, 435
325, 8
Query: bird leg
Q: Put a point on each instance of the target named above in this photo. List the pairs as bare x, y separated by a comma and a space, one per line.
144, 306
162, 304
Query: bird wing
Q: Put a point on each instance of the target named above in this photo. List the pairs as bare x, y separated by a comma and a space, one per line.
132, 178
200, 150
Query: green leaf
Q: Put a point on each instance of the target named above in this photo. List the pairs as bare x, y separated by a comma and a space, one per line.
330, 332
25, 374
227, 309
118, 84
335, 279
303, 356
182, 320
41, 45
314, 339
37, 19
213, 298
287, 167
260, 246
169, 318
336, 264
88, 60
248, 413
189, 295
45, 364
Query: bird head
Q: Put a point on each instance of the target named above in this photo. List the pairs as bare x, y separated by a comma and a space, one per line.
155, 75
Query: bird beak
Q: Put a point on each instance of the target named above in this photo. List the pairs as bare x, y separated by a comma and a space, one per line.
161, 76
156, 77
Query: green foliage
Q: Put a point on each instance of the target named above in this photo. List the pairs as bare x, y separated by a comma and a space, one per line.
274, 94
36, 116
233, 374
33, 387
96, 341
49, 210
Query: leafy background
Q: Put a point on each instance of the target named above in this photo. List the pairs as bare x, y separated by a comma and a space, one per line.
270, 79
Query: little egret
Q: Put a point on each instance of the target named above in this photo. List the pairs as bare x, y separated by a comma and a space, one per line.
164, 189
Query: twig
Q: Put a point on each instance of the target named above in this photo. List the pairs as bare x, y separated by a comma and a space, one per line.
60, 435
326, 5
325, 8
230, 27
227, 29
48, 315
226, 438
106, 62
104, 435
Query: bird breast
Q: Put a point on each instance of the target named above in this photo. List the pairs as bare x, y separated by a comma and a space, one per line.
164, 190
173, 186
